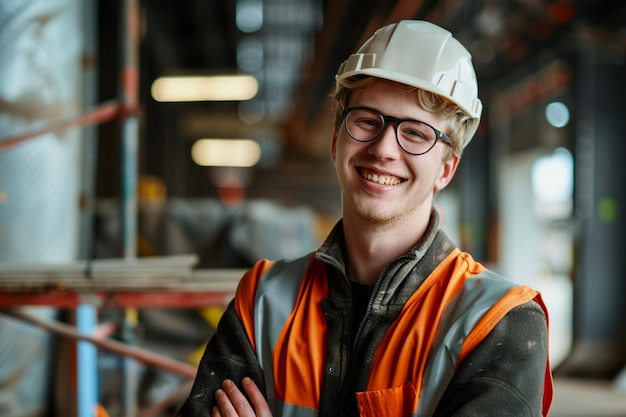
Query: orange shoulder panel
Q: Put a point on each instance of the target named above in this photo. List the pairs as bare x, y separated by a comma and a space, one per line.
300, 352
244, 296
423, 311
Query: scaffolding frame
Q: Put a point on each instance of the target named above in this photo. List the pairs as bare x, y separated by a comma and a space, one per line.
203, 290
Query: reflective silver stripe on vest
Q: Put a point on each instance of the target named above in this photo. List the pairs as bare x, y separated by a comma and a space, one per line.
280, 409
274, 301
461, 315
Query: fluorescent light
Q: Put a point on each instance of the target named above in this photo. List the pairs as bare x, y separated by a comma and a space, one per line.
204, 88
226, 152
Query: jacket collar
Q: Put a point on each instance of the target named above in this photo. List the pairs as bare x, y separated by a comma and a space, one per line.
332, 251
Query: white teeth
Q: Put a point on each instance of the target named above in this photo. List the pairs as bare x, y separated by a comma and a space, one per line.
380, 179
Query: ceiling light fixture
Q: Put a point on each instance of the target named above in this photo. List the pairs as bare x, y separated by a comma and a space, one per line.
226, 152
179, 88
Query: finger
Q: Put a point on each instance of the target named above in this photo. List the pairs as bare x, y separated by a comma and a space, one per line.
224, 407
236, 398
257, 398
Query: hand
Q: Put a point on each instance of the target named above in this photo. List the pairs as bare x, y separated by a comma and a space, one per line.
232, 403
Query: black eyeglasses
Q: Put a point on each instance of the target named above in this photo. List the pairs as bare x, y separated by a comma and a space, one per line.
414, 137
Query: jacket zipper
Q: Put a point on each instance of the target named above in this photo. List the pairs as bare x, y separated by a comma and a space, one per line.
349, 378
358, 338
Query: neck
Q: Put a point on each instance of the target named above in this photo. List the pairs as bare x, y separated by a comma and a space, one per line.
371, 247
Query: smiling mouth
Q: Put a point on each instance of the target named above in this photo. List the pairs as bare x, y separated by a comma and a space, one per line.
379, 179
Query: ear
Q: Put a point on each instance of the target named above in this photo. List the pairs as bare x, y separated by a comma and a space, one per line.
333, 147
447, 173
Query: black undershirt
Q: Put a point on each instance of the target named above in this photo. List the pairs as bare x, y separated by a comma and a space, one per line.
361, 295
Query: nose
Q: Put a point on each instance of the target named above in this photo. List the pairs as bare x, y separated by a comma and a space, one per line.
386, 145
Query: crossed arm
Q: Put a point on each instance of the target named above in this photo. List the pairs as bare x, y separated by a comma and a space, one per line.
504, 373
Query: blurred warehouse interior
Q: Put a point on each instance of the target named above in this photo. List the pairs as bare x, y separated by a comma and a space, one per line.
96, 164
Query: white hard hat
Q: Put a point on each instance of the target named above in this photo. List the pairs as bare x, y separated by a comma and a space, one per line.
422, 55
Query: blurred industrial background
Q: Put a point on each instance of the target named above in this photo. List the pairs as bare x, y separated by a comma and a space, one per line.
126, 216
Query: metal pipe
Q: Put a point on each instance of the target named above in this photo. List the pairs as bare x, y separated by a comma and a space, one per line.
104, 112
129, 39
142, 355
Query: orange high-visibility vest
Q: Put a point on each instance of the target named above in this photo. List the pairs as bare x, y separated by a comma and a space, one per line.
452, 311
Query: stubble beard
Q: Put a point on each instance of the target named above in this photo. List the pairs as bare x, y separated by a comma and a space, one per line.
371, 218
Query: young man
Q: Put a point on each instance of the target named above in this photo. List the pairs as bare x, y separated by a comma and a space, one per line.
388, 317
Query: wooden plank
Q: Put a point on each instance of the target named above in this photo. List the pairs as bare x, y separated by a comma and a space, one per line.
201, 280
200, 288
140, 268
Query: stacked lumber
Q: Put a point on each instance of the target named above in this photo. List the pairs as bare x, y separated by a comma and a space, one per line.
104, 274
